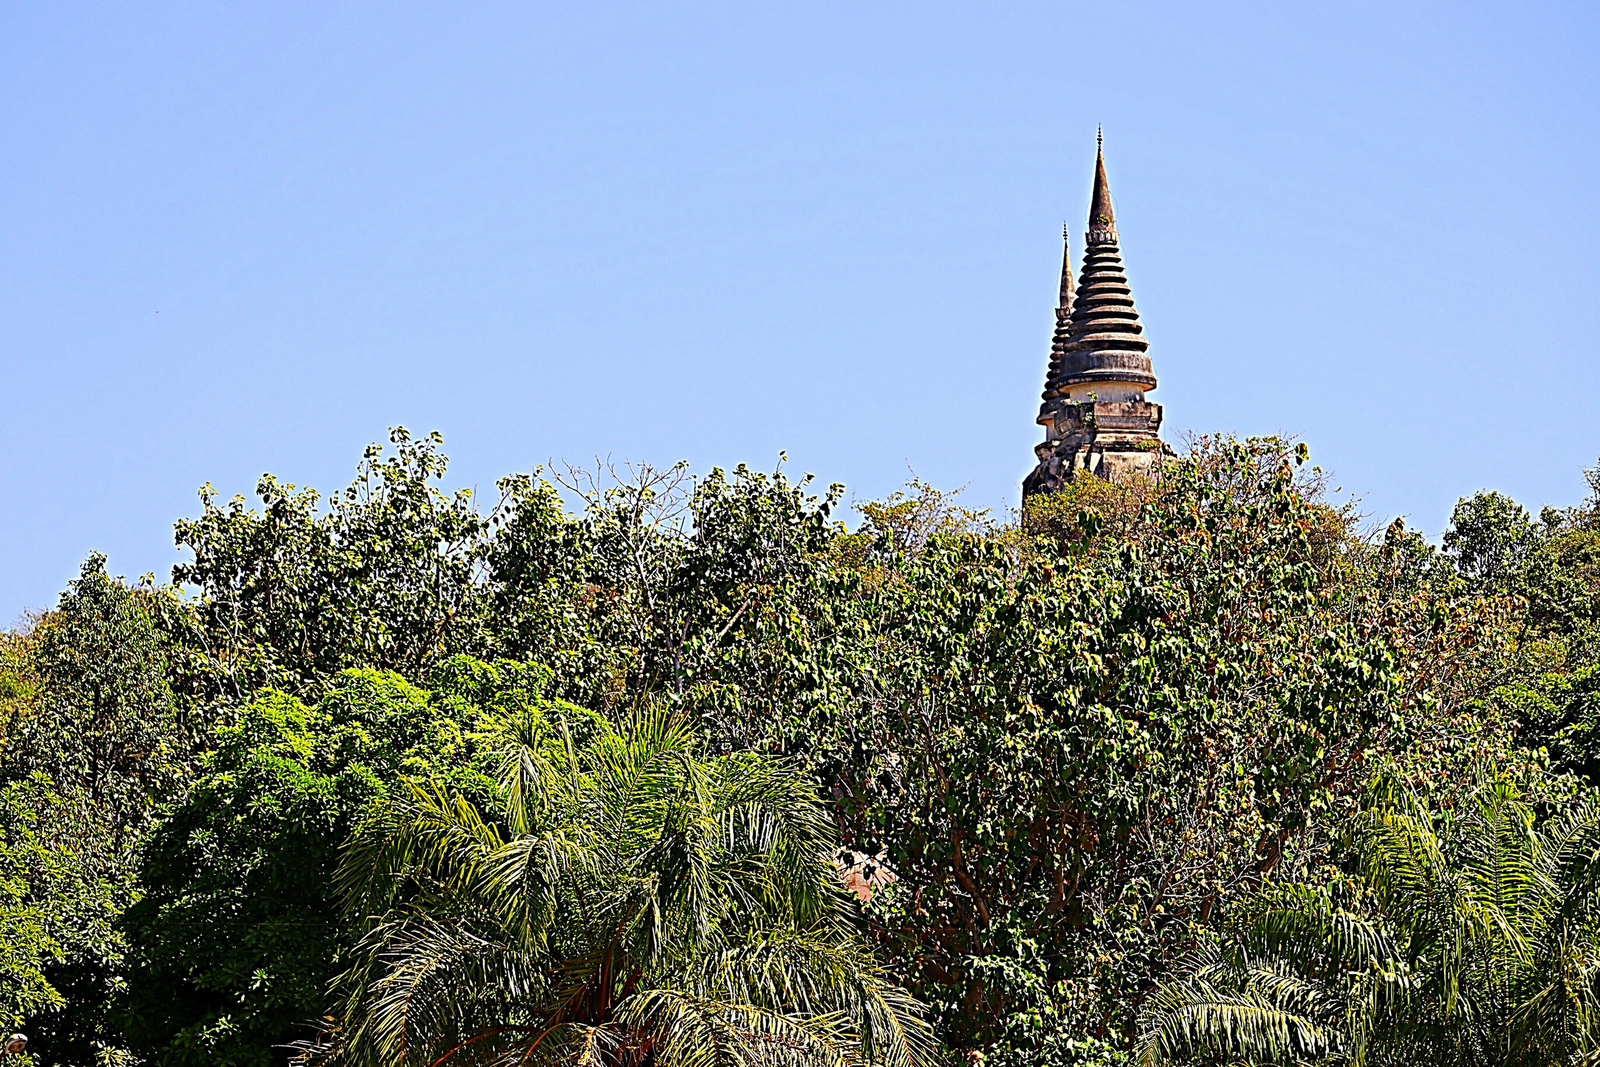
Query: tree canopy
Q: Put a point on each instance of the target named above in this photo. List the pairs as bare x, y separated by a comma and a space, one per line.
1085, 745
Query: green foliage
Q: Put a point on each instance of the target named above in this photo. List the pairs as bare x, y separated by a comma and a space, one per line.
680, 570
622, 600
1092, 748
908, 519
238, 932
90, 715
1551, 572
100, 723
630, 900
1455, 938
1088, 740
385, 576
53, 909
1558, 705
1491, 539
1085, 509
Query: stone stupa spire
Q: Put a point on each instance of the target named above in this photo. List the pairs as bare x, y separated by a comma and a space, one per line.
1106, 343
1066, 269
1058, 343
1095, 415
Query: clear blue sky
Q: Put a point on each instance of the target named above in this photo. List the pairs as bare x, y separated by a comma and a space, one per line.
249, 237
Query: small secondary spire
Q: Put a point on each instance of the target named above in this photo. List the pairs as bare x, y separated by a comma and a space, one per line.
1058, 343
1065, 302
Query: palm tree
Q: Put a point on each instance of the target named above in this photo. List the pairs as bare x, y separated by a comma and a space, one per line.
634, 903
1457, 941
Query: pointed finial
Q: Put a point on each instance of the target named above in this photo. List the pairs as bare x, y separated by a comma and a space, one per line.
1065, 303
1099, 138
1101, 218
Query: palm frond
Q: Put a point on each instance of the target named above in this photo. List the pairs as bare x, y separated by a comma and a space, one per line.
633, 902
1235, 1008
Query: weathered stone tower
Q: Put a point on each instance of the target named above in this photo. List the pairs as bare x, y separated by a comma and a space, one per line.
1095, 416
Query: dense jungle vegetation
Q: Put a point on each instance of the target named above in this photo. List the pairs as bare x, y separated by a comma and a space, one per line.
1197, 768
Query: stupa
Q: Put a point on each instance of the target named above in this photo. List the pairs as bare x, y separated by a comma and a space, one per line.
1095, 416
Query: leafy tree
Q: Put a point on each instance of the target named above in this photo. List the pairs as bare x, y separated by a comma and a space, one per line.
910, 517
1456, 938
101, 724
680, 569
631, 902
1557, 703
1552, 573
1085, 739
55, 911
91, 722
387, 575
1080, 749
1491, 539
623, 600
238, 932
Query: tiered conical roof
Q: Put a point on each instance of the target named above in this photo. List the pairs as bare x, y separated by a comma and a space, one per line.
1058, 343
1104, 341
